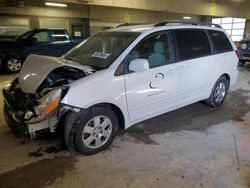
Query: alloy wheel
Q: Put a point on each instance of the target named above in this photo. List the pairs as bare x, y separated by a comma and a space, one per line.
97, 132
14, 65
220, 92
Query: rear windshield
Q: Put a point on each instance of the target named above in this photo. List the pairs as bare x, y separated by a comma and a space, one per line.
221, 42
101, 50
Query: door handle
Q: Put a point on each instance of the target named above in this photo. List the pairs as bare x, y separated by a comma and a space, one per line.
184, 66
174, 69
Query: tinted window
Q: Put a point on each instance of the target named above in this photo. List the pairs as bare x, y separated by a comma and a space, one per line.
42, 36
220, 40
60, 36
155, 48
192, 43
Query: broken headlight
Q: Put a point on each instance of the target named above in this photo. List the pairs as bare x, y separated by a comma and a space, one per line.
48, 103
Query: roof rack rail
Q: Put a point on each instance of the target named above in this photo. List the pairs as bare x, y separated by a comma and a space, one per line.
129, 24
188, 23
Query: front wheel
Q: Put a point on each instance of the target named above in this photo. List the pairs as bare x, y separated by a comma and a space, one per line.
13, 64
94, 130
219, 92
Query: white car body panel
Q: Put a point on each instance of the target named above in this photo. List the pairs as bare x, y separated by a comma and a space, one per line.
101, 87
151, 92
174, 85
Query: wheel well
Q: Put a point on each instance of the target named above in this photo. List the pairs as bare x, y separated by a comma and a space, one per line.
226, 76
8, 55
14, 54
118, 112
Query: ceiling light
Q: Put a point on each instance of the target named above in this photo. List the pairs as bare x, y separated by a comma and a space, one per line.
55, 4
187, 18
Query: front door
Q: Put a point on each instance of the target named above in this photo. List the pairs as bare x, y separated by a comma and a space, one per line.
154, 91
40, 44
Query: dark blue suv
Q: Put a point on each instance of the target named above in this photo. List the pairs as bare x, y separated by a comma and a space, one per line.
51, 42
244, 49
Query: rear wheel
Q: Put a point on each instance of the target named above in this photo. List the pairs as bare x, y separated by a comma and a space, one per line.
94, 130
219, 92
241, 63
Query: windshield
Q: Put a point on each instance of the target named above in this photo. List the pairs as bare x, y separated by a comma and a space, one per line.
24, 35
101, 50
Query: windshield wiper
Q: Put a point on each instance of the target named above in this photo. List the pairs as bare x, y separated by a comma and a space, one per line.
72, 59
95, 67
81, 63
84, 62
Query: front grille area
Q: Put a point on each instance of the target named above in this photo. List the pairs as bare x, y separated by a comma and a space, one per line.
246, 55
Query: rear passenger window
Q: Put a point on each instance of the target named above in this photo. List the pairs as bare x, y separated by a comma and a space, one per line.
60, 36
192, 43
221, 42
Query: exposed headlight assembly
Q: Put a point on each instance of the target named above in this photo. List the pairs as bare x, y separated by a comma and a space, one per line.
48, 103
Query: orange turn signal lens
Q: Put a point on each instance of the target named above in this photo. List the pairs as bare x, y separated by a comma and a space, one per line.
51, 107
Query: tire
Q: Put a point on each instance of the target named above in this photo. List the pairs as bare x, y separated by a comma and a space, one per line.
94, 130
13, 64
219, 92
241, 63
68, 135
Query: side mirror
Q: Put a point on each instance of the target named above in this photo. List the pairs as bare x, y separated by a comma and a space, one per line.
139, 65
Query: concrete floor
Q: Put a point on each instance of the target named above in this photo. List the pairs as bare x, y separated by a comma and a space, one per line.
195, 146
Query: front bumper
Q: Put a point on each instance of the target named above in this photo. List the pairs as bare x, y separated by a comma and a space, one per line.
18, 124
245, 57
26, 128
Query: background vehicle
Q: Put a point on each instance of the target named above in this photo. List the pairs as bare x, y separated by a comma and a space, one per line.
118, 78
52, 42
244, 49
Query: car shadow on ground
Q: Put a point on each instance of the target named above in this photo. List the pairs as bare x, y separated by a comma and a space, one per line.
247, 66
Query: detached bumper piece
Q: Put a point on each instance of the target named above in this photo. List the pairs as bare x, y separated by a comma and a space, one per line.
9, 98
49, 123
14, 124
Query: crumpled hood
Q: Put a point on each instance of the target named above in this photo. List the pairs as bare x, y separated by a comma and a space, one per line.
36, 68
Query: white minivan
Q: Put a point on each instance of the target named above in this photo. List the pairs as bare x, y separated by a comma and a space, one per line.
118, 78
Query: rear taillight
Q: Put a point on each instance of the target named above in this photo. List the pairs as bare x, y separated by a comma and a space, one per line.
237, 53
238, 45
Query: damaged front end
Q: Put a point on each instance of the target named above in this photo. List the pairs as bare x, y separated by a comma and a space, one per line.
32, 102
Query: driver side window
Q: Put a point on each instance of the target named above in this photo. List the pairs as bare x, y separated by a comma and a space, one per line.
156, 48
42, 36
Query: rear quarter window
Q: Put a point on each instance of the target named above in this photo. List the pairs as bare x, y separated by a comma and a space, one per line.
220, 41
59, 35
192, 43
